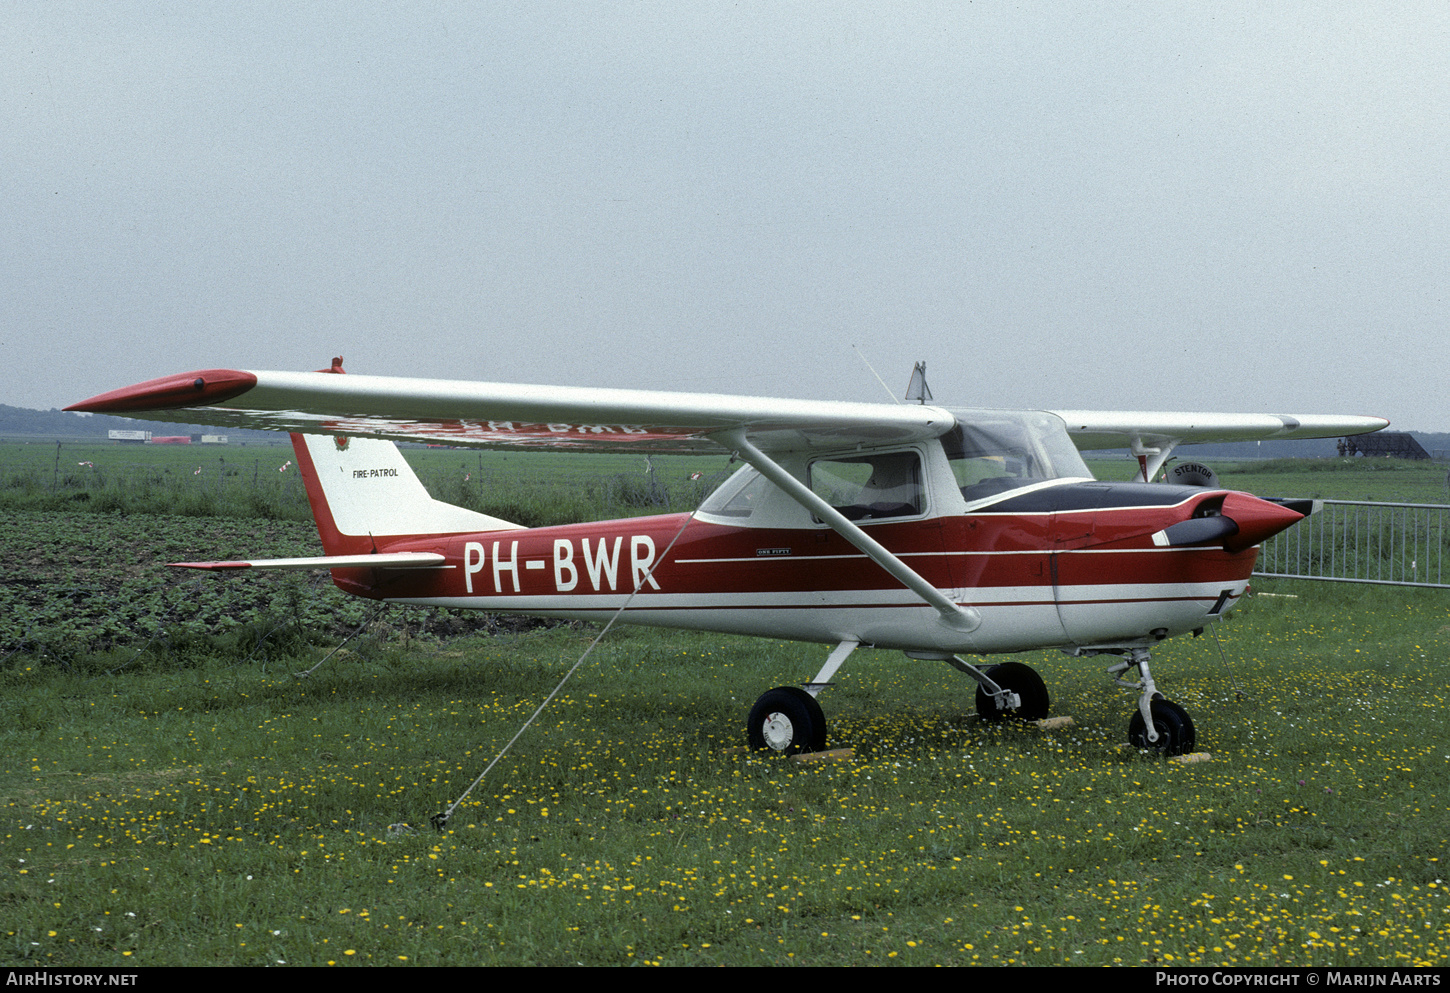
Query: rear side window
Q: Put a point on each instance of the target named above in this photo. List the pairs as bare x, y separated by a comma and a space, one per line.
740, 496
870, 487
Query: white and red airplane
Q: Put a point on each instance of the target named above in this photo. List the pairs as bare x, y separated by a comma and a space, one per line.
936, 531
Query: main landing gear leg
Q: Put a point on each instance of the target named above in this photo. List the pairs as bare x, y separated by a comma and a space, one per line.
1009, 689
1159, 723
788, 718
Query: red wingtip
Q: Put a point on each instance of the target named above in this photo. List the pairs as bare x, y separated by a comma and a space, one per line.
187, 389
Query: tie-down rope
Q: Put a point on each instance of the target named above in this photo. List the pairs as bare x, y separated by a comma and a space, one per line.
440, 820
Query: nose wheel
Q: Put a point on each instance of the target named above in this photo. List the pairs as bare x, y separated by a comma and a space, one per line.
1174, 729
1171, 732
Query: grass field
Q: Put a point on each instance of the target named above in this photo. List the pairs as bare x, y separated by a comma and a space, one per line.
172, 794
199, 805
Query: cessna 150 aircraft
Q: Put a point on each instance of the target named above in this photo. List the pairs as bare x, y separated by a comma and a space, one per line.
935, 531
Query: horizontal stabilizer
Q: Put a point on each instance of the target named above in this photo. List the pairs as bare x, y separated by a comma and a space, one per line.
393, 560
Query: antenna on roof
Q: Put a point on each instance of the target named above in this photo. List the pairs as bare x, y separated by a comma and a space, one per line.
876, 374
917, 389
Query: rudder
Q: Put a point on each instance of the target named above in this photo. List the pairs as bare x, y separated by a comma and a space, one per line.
362, 489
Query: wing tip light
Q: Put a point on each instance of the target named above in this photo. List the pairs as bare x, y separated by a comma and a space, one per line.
188, 389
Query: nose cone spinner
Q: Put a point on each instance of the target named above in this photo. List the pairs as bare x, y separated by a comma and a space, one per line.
1258, 520
1243, 522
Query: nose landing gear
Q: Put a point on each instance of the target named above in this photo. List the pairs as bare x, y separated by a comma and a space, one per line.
1172, 726
1159, 723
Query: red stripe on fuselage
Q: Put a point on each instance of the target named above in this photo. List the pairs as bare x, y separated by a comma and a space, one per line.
1028, 552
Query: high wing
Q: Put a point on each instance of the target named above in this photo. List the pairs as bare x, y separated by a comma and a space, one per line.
1153, 435
1092, 429
502, 415
509, 416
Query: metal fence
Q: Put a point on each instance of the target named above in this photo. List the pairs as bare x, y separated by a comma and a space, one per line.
1395, 544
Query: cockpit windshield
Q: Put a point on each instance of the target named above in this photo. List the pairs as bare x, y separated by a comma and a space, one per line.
992, 451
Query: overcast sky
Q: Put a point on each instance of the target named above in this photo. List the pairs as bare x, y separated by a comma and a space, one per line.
1224, 206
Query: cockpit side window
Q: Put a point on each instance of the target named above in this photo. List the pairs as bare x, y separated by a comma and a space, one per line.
871, 487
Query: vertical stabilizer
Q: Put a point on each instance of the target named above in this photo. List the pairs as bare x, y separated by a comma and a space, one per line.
363, 490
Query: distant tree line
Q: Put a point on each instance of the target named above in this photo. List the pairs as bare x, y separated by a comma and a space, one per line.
50, 425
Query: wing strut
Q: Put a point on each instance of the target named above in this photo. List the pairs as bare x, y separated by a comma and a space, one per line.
957, 617
1150, 460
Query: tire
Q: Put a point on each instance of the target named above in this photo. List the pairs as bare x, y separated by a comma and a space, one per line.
1176, 735
1022, 680
787, 720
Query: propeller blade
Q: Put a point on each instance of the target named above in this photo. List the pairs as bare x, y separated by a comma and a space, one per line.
1196, 532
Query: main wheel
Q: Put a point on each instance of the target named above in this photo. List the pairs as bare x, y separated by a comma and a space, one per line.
1175, 729
787, 719
1022, 680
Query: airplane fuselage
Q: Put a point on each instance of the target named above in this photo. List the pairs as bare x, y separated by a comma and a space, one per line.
1068, 565
932, 530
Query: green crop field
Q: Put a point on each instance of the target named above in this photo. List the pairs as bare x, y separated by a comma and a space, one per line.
261, 482
173, 794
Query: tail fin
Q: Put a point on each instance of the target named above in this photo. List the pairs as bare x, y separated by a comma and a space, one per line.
362, 489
